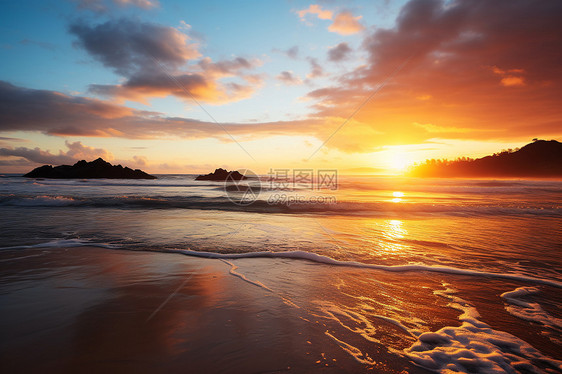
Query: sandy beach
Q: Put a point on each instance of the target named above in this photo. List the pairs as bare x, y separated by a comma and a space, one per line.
99, 310
90, 309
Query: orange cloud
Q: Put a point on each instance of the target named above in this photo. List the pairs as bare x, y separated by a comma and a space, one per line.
511, 81
446, 52
455, 58
429, 127
315, 9
346, 24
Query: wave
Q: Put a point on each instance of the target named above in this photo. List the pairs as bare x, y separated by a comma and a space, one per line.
302, 255
64, 243
328, 206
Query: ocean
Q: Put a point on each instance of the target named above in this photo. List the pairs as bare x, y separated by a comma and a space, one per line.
389, 274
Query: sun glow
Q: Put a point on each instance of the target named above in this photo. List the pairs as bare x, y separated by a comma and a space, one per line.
397, 159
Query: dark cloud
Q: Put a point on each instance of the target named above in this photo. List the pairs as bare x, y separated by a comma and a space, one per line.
144, 4
129, 46
15, 159
4, 138
339, 52
316, 69
76, 151
141, 86
226, 67
203, 85
293, 52
54, 113
102, 6
289, 78
154, 58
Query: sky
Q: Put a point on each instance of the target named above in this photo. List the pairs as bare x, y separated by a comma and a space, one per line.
361, 86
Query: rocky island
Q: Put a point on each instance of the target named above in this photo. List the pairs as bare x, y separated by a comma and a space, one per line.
221, 175
88, 170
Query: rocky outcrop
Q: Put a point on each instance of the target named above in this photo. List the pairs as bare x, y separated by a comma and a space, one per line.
221, 175
88, 170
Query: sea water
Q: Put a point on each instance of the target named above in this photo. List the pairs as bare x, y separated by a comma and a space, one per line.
488, 251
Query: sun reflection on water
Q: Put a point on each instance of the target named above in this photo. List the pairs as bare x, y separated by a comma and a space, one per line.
393, 233
397, 196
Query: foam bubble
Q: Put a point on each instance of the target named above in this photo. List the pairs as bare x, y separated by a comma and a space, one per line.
475, 347
527, 310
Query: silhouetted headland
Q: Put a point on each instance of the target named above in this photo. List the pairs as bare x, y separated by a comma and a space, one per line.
88, 170
221, 175
539, 159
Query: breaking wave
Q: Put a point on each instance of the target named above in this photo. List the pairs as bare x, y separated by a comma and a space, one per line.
262, 206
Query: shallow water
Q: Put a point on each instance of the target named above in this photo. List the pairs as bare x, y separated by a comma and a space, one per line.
448, 250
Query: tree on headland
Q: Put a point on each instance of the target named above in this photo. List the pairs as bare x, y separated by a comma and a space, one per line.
541, 158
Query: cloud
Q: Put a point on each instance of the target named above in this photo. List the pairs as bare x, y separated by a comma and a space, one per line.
317, 10
54, 113
429, 127
129, 46
339, 52
316, 69
292, 52
57, 114
289, 78
345, 24
15, 159
9, 139
509, 80
144, 4
153, 59
76, 151
102, 6
203, 84
491, 69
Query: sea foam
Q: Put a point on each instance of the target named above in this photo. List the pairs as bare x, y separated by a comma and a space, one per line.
531, 311
64, 243
302, 255
475, 347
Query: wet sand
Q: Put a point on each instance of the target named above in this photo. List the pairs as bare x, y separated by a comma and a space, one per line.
98, 310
